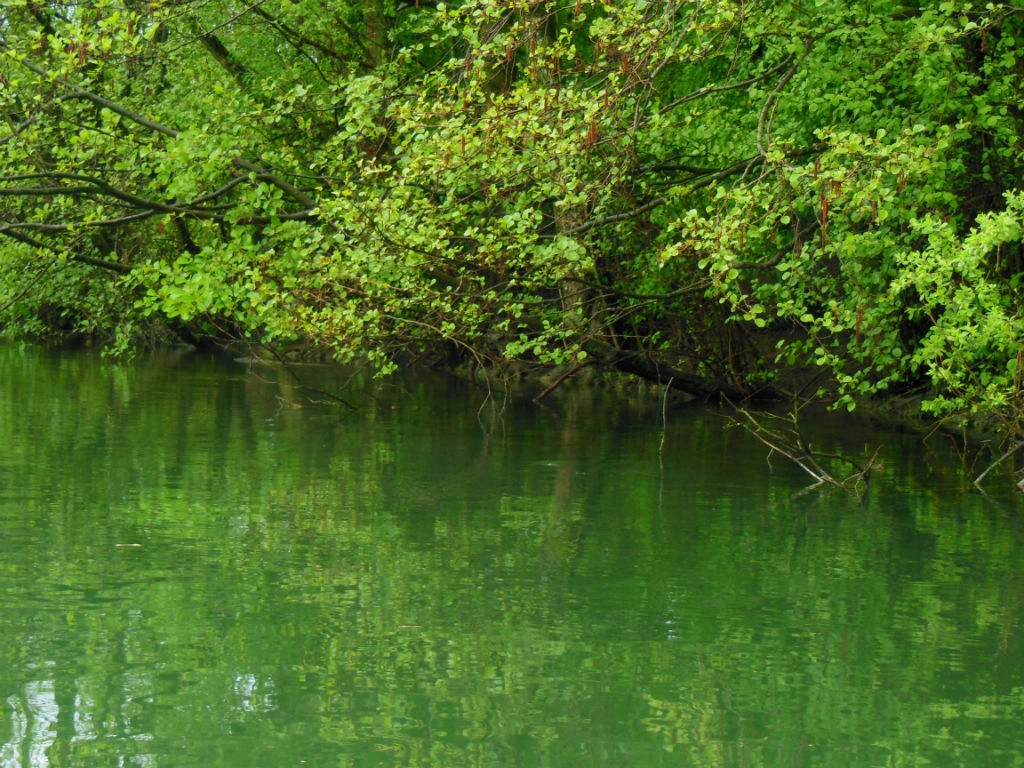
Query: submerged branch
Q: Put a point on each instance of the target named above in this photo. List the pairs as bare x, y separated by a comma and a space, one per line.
980, 478
557, 382
790, 443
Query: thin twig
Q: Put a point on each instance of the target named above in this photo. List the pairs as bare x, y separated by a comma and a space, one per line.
664, 417
791, 444
1017, 446
309, 387
861, 473
575, 369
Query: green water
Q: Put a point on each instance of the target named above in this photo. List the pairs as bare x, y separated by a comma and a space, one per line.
202, 567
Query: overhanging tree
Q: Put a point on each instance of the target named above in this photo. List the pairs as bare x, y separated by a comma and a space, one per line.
656, 186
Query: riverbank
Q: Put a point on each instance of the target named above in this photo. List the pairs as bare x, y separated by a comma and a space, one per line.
980, 445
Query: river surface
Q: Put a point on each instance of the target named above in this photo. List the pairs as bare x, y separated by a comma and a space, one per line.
204, 564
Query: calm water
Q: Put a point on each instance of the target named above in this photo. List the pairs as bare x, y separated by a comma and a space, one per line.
202, 567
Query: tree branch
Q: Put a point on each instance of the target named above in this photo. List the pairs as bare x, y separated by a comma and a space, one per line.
296, 36
32, 242
980, 478
223, 56
768, 111
14, 227
99, 101
702, 92
239, 162
698, 183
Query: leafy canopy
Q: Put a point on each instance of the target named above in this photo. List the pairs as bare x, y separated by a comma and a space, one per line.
701, 193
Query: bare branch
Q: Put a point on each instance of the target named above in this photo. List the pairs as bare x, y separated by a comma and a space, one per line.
224, 57
791, 444
38, 226
768, 111
697, 183
702, 92
1016, 447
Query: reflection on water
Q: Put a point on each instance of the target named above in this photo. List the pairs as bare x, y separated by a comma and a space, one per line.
201, 566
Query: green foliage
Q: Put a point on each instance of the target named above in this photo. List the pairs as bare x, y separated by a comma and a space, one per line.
904, 143
975, 320
527, 182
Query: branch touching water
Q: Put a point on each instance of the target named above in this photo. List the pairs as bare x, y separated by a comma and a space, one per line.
782, 435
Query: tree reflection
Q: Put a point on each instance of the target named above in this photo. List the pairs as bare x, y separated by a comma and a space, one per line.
193, 577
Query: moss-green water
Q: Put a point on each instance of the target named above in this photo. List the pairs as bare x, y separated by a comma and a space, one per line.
202, 567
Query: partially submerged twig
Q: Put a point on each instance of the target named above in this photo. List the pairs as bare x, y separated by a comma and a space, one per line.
664, 418
789, 442
575, 369
290, 369
1016, 446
